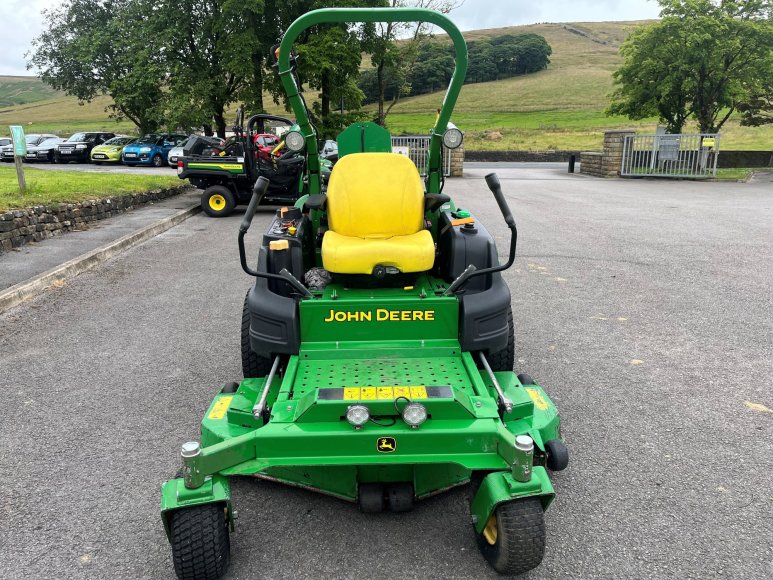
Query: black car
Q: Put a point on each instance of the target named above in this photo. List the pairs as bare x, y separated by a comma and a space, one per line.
44, 151
78, 147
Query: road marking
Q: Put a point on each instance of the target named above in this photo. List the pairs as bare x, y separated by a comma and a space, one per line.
757, 407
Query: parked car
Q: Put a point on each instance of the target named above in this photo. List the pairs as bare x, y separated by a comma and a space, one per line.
5, 141
45, 151
110, 151
194, 145
78, 147
329, 151
151, 149
33, 139
266, 143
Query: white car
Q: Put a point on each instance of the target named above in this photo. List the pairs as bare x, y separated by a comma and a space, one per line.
175, 153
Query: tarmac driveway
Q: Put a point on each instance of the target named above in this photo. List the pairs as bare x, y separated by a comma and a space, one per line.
644, 307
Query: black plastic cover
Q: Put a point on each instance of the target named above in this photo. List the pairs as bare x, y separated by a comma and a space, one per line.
274, 319
484, 300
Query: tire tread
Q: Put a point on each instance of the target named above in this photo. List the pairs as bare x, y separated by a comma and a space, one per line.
200, 542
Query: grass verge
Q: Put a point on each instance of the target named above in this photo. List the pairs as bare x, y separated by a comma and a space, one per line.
738, 173
47, 187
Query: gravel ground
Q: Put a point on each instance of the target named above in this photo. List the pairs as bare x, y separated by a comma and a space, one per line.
644, 307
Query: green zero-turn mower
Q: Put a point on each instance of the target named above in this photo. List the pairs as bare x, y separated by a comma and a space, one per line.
377, 350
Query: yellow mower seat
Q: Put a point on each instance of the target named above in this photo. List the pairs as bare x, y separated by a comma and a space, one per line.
375, 212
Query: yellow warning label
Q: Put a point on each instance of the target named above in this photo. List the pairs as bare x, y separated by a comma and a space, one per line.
351, 393
368, 393
385, 393
708, 142
539, 400
220, 407
418, 392
402, 392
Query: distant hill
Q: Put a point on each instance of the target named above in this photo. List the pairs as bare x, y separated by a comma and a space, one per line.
23, 90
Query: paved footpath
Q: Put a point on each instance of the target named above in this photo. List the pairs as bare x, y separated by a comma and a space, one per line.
33, 259
644, 307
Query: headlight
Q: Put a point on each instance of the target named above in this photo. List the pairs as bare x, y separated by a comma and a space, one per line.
357, 415
453, 137
81, 146
294, 141
144, 149
414, 414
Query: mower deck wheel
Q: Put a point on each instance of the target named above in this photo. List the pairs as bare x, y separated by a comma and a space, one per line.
201, 547
218, 201
400, 497
558, 455
371, 498
513, 540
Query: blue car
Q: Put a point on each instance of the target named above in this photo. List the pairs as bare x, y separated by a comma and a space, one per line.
151, 149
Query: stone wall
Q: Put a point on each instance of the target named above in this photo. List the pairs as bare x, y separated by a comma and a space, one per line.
558, 156
457, 162
33, 224
607, 163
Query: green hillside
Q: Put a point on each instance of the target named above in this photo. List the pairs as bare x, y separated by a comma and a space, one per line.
23, 90
558, 108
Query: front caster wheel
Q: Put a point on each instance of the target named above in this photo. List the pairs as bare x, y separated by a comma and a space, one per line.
513, 540
201, 546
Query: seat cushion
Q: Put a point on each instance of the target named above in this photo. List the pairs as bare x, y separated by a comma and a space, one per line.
351, 255
375, 195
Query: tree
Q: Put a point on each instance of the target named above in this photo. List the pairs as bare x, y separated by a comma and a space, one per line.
395, 62
703, 59
758, 108
206, 50
78, 53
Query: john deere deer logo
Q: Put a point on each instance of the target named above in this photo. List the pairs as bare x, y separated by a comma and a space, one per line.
386, 444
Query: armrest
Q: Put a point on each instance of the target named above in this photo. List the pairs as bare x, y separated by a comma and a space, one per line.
318, 201
434, 201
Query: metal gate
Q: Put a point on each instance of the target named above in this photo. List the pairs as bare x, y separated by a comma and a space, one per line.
684, 155
415, 147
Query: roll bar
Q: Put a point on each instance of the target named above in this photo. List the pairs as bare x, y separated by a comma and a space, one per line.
342, 15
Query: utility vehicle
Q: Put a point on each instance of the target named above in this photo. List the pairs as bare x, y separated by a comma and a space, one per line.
377, 349
228, 176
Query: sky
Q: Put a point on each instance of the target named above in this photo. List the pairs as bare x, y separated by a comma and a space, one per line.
21, 21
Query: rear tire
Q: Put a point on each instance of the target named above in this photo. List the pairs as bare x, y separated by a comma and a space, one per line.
513, 541
201, 547
253, 365
217, 201
503, 360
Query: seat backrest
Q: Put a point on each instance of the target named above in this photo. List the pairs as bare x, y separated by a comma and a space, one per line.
375, 195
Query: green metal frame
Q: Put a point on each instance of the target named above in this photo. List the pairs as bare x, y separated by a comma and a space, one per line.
343, 15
